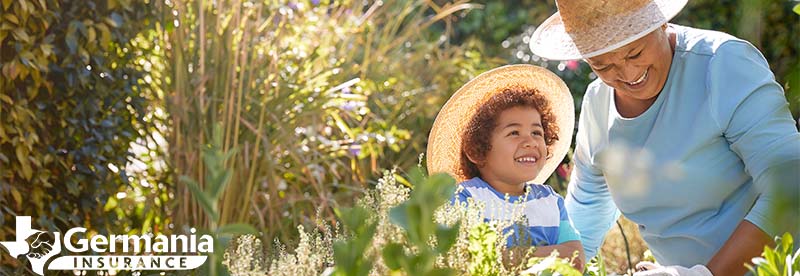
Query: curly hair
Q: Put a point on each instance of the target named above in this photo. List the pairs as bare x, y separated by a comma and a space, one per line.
475, 140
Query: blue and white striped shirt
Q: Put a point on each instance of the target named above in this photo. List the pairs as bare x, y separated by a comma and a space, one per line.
547, 222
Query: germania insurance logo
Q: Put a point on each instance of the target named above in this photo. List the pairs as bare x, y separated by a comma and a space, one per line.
114, 252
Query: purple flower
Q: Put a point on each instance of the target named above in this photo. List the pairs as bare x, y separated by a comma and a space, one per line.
349, 106
355, 149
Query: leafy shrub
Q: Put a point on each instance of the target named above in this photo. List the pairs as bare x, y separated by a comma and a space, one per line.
390, 232
483, 255
381, 240
778, 261
71, 103
416, 217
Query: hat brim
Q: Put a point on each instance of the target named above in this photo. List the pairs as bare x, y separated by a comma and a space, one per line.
551, 40
444, 142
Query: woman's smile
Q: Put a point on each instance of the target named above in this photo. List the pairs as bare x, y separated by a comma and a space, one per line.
639, 82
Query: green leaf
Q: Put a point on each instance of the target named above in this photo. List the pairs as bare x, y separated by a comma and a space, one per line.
11, 69
446, 237
205, 202
341, 257
72, 40
92, 35
116, 19
399, 215
219, 184
403, 181
22, 157
47, 49
786, 242
11, 18
796, 9
441, 272
237, 228
17, 196
7, 99
392, 254
354, 219
111, 204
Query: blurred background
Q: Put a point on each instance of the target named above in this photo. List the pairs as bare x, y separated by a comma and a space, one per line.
126, 116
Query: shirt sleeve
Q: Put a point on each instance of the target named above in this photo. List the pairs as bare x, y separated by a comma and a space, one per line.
751, 110
566, 231
588, 200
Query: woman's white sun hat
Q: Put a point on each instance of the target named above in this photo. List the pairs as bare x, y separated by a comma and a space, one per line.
444, 142
587, 28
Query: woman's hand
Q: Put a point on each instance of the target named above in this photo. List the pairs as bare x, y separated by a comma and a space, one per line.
651, 269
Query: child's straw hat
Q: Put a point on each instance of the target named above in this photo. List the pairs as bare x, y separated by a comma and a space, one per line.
444, 142
587, 28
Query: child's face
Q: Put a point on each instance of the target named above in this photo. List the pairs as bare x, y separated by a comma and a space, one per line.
517, 152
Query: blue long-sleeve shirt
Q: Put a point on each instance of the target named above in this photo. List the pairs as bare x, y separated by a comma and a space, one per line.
692, 166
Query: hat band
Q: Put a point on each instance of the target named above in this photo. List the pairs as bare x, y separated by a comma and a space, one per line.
624, 42
617, 31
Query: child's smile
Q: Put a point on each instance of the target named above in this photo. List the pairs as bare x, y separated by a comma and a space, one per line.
527, 160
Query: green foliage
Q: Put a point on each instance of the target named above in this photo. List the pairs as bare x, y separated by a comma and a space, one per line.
778, 261
498, 21
249, 254
217, 178
596, 267
71, 103
313, 98
317, 97
374, 243
483, 251
351, 255
551, 265
416, 217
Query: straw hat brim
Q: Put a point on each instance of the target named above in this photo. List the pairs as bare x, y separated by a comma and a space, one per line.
444, 142
552, 41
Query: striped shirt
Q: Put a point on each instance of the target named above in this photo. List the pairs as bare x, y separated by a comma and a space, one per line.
545, 220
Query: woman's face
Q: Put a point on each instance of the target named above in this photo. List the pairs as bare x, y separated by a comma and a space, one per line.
636, 71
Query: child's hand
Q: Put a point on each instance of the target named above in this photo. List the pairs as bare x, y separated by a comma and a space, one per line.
565, 250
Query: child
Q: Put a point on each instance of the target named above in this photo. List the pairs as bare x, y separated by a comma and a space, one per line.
502, 135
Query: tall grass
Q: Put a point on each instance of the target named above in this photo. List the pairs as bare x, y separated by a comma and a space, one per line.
312, 99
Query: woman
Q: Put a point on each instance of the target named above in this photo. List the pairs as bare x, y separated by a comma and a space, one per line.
684, 132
